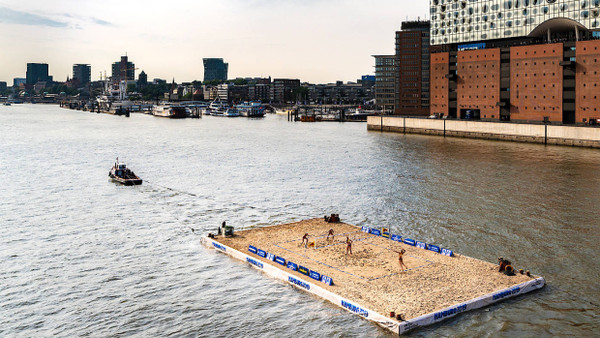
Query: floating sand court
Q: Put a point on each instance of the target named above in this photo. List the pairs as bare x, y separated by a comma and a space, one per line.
436, 283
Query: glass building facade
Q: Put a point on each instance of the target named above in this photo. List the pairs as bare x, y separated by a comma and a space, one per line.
459, 21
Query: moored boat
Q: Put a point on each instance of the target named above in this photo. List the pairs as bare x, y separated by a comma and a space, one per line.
171, 111
217, 108
231, 112
251, 109
121, 174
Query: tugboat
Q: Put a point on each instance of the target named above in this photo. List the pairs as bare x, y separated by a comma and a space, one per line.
121, 174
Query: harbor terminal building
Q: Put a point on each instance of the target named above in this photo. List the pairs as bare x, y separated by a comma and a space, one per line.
515, 60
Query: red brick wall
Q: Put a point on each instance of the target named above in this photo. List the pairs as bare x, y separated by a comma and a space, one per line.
478, 81
587, 80
438, 83
536, 82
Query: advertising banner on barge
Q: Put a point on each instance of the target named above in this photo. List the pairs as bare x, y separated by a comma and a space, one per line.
472, 304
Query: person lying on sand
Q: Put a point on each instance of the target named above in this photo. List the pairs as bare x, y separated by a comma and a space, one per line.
348, 246
400, 261
330, 234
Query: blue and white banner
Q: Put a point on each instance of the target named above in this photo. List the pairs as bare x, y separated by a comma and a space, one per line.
421, 245
397, 238
364, 229
447, 252
270, 256
471, 46
376, 232
326, 280
280, 260
261, 253
254, 262
219, 246
356, 309
315, 275
409, 241
252, 249
298, 282
433, 248
292, 266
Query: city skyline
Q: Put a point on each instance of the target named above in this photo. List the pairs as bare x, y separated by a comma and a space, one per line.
320, 42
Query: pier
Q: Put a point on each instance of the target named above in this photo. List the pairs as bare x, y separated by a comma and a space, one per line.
326, 113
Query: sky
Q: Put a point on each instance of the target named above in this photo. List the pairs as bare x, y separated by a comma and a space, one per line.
317, 41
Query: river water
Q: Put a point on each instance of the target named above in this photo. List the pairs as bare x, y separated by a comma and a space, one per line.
80, 255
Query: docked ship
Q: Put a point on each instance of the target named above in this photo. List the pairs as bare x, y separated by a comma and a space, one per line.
170, 111
231, 112
251, 109
217, 108
114, 101
121, 174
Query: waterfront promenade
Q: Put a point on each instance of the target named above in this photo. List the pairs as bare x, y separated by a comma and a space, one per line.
506, 131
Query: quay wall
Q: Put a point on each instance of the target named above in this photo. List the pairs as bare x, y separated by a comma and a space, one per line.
533, 133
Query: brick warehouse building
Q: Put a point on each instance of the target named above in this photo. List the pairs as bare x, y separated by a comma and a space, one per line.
523, 60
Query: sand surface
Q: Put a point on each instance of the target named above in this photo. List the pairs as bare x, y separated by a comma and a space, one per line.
371, 276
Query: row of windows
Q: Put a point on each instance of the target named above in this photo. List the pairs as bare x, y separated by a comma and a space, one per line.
540, 108
477, 87
535, 97
470, 56
508, 5
534, 75
535, 85
463, 67
491, 97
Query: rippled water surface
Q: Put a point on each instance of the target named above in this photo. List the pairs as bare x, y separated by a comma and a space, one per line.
80, 255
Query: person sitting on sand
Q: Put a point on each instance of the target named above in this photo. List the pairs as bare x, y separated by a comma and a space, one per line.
502, 263
330, 234
400, 261
348, 245
304, 240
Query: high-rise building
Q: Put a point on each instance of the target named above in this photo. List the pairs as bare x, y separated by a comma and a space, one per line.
215, 69
37, 72
123, 70
2, 86
385, 82
412, 69
82, 73
517, 60
142, 80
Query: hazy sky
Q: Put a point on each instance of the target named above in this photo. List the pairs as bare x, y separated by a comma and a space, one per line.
317, 41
